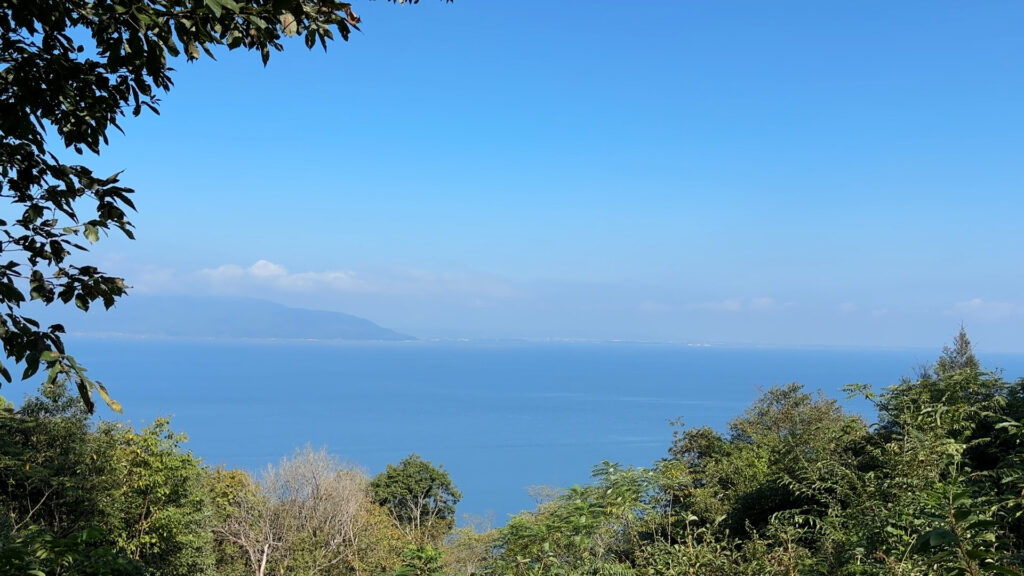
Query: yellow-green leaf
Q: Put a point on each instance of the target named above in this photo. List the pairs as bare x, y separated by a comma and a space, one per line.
289, 25
113, 404
91, 233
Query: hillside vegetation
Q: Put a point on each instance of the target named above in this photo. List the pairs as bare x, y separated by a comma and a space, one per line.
793, 486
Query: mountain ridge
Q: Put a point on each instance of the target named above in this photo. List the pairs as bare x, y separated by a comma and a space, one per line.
168, 316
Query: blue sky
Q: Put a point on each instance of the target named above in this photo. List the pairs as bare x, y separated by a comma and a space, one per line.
788, 173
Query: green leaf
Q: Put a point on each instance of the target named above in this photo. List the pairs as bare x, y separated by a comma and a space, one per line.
91, 233
935, 538
37, 292
84, 394
1002, 570
113, 404
233, 40
983, 524
215, 6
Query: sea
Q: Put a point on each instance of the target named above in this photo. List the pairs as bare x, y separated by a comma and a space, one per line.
500, 417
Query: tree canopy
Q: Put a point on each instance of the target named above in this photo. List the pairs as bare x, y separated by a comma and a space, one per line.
420, 497
70, 71
797, 486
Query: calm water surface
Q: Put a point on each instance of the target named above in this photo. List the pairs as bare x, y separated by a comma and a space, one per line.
499, 417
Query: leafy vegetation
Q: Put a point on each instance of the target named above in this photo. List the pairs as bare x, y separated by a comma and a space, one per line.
796, 486
793, 486
419, 497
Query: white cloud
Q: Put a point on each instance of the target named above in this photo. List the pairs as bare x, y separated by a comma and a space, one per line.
986, 310
222, 273
654, 307
760, 303
848, 308
728, 305
265, 269
402, 282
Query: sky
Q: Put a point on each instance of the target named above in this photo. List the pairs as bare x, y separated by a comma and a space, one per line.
774, 173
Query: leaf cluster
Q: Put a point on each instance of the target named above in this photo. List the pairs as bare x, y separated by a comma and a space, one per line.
97, 500
419, 496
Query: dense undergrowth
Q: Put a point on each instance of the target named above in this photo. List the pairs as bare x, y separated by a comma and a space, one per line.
793, 486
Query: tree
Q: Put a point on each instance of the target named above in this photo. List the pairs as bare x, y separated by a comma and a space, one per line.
797, 486
421, 561
320, 501
69, 72
156, 506
227, 489
309, 515
52, 491
250, 524
420, 497
97, 501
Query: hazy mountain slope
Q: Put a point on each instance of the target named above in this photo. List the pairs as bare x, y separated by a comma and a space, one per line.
214, 317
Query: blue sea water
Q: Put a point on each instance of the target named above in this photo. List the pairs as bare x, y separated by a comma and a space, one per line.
499, 416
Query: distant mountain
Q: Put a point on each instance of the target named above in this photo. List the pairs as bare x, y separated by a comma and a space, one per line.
212, 317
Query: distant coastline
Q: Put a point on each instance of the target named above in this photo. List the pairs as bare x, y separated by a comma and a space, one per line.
220, 318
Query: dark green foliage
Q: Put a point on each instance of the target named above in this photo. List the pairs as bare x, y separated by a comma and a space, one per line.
788, 440
51, 474
420, 561
52, 482
108, 501
420, 497
156, 508
796, 487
